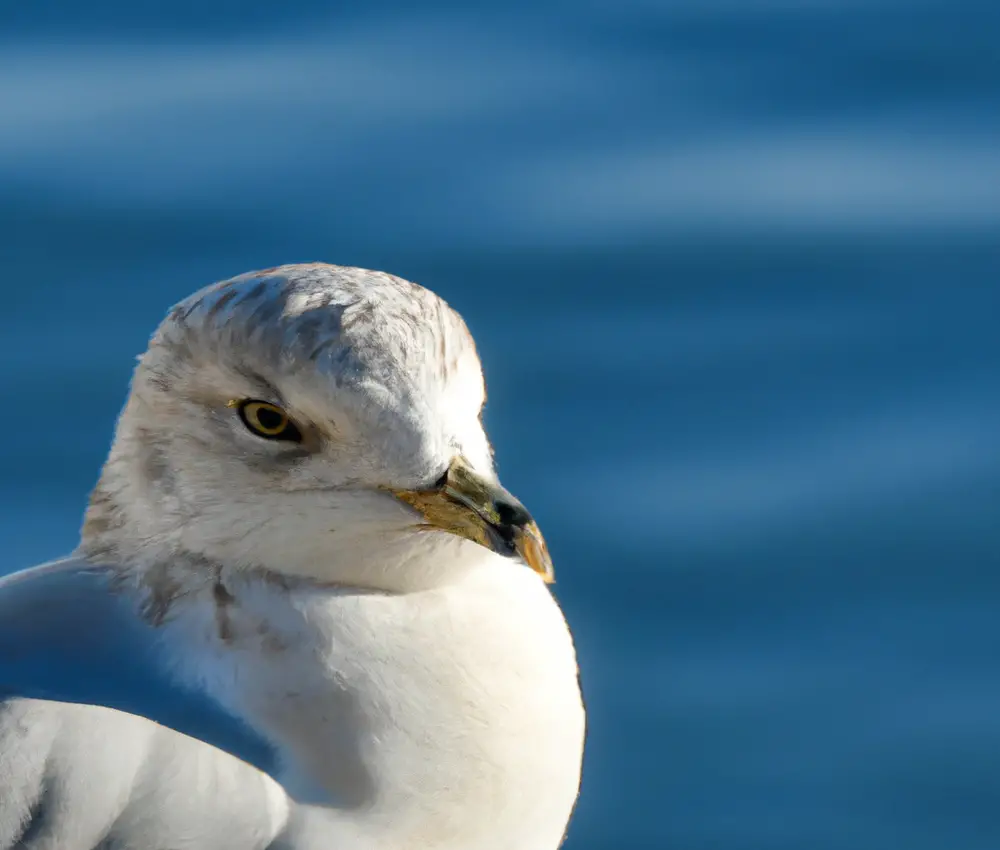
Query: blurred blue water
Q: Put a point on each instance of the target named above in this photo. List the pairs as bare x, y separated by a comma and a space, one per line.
733, 272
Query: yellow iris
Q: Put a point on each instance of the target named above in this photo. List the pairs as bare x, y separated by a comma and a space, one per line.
267, 420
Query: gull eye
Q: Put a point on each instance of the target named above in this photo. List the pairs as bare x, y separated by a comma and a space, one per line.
267, 420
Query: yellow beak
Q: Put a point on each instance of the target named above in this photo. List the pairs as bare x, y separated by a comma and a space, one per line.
466, 504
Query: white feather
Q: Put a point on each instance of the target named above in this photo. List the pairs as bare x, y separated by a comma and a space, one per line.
416, 690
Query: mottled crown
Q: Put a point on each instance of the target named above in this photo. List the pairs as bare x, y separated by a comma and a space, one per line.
350, 324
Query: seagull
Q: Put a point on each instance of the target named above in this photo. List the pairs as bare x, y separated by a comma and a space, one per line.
303, 612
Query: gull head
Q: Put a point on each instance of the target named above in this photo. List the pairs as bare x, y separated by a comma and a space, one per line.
315, 422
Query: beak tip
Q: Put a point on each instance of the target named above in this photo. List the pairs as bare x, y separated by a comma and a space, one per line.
531, 547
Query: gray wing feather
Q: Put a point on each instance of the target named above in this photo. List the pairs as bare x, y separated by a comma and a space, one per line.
81, 763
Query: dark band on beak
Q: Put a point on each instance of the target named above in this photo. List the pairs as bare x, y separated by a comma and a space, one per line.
467, 504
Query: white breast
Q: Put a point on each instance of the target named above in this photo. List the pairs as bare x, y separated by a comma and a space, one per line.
449, 718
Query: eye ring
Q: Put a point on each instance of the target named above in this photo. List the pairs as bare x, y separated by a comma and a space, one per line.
267, 420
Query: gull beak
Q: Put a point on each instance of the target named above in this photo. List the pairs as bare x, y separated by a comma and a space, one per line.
466, 504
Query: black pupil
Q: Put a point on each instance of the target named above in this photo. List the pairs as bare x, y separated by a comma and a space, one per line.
268, 419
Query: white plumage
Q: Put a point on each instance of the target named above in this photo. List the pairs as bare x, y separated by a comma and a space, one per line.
334, 635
